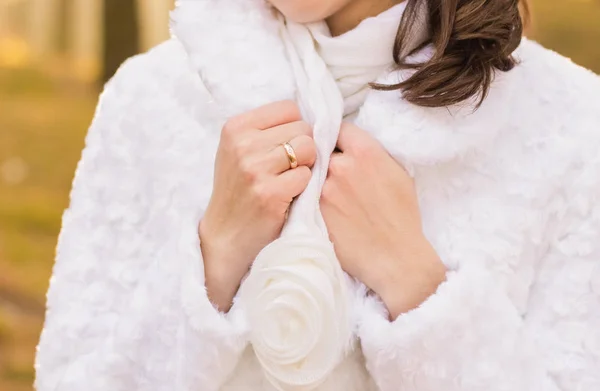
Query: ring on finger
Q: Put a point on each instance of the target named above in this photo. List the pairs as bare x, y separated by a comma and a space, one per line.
291, 154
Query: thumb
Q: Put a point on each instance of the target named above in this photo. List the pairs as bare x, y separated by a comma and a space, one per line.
352, 138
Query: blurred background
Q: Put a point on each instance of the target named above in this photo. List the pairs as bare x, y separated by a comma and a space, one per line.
54, 58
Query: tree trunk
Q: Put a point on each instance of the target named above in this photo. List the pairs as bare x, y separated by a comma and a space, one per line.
44, 26
120, 34
85, 39
64, 9
154, 26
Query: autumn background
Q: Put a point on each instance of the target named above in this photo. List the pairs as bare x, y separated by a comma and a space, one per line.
54, 57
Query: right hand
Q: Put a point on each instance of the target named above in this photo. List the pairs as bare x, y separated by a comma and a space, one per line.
253, 189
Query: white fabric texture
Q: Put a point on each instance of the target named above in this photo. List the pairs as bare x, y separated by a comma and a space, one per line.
509, 195
297, 280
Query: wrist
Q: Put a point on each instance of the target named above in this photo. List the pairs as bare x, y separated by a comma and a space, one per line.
220, 277
219, 288
412, 274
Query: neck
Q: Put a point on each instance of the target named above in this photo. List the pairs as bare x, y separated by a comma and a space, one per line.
355, 12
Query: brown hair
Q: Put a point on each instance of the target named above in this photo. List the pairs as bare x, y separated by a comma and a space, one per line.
471, 40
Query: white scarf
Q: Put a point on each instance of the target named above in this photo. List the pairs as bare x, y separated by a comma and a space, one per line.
296, 293
359, 56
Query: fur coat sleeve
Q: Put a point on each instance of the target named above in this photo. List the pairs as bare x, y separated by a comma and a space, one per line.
553, 345
127, 308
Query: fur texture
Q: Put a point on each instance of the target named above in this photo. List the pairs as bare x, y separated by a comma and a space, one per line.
510, 198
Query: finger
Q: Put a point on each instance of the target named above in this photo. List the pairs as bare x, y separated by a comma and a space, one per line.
268, 116
277, 160
293, 182
339, 164
352, 137
284, 133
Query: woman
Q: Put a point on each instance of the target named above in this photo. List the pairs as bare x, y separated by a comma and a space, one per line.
462, 201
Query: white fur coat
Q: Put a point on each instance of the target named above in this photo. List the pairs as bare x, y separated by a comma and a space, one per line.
510, 198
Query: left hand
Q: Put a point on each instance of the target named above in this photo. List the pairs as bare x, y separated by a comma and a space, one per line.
371, 210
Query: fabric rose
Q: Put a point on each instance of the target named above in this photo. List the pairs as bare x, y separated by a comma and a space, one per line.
297, 307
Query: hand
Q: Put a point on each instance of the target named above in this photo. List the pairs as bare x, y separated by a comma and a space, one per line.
371, 210
253, 188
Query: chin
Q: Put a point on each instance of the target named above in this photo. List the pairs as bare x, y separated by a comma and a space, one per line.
308, 11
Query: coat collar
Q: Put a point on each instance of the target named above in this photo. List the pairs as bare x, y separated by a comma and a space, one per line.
236, 48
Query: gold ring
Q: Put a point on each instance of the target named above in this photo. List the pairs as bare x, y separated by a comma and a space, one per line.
291, 154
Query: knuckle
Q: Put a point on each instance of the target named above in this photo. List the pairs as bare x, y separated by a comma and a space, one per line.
297, 183
264, 197
312, 153
232, 126
248, 170
305, 128
307, 146
241, 147
304, 139
339, 166
304, 175
362, 150
291, 108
